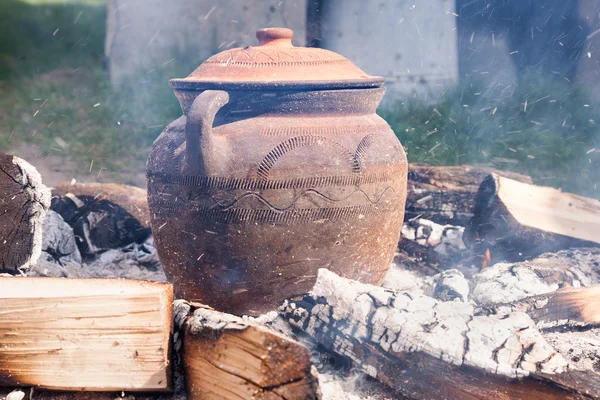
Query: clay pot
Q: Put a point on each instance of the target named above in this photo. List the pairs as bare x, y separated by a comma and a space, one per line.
278, 167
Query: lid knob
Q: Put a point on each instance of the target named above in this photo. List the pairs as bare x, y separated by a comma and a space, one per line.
275, 36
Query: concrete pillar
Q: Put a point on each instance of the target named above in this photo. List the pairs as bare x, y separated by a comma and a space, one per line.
588, 73
411, 43
146, 35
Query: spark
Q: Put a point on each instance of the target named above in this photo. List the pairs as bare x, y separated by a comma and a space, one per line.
153, 37
590, 151
210, 12
589, 54
96, 105
77, 17
55, 32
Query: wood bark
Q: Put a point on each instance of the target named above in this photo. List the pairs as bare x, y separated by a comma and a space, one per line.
446, 195
85, 334
23, 202
227, 357
103, 216
513, 220
426, 348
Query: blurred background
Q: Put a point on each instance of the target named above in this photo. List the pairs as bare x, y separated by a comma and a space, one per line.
509, 83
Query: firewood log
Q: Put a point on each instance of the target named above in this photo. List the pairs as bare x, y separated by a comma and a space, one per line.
23, 202
428, 349
514, 220
85, 334
446, 195
227, 357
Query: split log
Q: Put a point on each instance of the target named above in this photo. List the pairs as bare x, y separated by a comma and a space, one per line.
23, 202
446, 195
103, 216
88, 334
425, 348
227, 357
514, 221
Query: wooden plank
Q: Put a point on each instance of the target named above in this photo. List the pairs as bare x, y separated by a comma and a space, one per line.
85, 334
23, 202
227, 357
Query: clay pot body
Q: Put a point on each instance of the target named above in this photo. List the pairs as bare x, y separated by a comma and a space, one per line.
254, 189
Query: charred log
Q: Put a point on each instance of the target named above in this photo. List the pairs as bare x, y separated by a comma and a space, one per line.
417, 344
446, 195
510, 282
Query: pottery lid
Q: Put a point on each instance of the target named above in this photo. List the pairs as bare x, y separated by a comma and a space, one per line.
277, 63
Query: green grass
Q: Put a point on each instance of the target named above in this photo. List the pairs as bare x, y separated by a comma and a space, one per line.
547, 130
55, 92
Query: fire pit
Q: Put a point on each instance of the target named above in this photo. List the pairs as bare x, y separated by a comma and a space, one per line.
483, 321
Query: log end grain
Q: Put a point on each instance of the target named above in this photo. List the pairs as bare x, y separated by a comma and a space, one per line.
23, 202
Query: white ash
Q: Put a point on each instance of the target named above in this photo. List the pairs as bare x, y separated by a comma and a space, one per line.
16, 395
451, 285
135, 261
446, 240
448, 285
401, 279
508, 282
506, 344
58, 240
581, 349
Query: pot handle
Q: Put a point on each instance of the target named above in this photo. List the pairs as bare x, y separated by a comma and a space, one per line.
198, 128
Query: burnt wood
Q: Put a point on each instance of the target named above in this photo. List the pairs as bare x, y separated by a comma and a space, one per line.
103, 216
424, 348
446, 195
